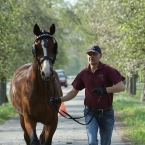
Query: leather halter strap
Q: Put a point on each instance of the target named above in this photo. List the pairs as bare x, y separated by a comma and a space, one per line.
44, 35
46, 57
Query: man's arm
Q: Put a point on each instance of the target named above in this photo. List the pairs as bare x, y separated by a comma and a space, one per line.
70, 95
116, 88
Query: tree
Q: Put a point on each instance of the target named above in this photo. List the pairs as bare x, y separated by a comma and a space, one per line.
73, 65
131, 19
17, 19
117, 26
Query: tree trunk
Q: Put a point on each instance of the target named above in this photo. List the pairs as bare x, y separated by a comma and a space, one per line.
3, 96
143, 94
127, 84
132, 85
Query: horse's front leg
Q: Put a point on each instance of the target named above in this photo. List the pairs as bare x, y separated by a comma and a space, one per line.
42, 136
30, 126
49, 131
26, 136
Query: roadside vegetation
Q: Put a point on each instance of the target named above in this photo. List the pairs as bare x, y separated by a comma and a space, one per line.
6, 112
132, 114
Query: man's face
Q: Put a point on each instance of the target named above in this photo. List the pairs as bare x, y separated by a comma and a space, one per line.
94, 58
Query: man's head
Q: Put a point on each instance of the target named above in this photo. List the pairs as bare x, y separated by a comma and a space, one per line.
94, 55
94, 48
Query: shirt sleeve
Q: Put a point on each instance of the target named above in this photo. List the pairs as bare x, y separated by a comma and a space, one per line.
114, 75
78, 83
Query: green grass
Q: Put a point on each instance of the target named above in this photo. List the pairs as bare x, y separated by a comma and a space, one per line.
132, 114
6, 112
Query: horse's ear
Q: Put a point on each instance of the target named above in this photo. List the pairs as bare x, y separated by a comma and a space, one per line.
36, 30
52, 29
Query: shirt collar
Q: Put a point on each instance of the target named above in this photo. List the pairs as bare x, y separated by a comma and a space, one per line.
100, 66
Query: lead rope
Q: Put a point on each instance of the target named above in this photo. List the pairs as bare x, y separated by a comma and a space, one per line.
75, 118
70, 117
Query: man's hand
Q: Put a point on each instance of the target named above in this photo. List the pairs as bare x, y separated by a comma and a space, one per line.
55, 101
99, 91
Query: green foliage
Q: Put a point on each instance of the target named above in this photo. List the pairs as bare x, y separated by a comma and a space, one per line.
130, 17
17, 19
118, 27
73, 65
6, 111
132, 112
98, 25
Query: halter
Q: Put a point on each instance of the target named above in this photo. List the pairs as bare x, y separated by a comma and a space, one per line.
44, 34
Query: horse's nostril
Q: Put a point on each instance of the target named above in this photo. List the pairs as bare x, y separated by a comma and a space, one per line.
43, 74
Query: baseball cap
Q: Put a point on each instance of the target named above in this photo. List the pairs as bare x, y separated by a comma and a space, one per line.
94, 48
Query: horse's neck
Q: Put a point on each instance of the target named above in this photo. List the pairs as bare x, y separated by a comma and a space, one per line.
48, 87
34, 74
51, 87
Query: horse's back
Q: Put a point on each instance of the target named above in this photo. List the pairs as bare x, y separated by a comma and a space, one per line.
22, 70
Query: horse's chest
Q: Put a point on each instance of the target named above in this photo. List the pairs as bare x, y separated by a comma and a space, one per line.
41, 111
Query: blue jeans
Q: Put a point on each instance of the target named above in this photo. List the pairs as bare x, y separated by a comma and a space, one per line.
102, 122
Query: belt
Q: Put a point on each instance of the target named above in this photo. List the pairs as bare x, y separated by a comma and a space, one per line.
99, 110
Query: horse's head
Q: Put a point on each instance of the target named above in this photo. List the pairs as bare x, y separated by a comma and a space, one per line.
44, 50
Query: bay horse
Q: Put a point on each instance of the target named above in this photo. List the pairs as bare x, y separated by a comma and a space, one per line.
33, 85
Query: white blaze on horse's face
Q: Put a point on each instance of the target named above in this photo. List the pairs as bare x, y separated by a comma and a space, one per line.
46, 65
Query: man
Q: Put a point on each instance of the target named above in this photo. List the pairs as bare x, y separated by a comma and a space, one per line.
100, 82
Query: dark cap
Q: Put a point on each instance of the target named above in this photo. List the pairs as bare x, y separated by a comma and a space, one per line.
94, 48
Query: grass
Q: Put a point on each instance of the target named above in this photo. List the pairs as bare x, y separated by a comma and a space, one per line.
132, 114
6, 112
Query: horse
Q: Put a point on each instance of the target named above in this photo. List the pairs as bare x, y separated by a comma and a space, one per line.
33, 85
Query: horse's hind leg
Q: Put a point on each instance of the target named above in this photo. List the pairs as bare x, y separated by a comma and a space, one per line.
26, 136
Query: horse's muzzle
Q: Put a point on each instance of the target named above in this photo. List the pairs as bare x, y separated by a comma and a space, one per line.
46, 78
